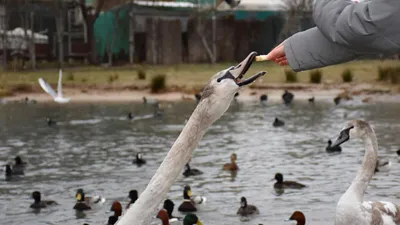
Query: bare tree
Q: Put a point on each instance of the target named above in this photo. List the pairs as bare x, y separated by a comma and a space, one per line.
59, 6
295, 10
27, 18
90, 18
4, 37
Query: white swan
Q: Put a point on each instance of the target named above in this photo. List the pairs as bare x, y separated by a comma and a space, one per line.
351, 209
58, 97
216, 99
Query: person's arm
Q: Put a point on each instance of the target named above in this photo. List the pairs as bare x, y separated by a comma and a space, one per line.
367, 27
310, 49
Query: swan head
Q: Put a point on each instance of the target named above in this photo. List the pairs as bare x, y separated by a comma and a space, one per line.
222, 87
353, 129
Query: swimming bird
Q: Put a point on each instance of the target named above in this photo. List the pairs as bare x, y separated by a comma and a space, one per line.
50, 122
189, 201
130, 116
278, 123
311, 99
287, 97
382, 165
329, 148
231, 166
398, 152
263, 98
169, 206
58, 97
299, 217
191, 219
116, 207
351, 208
218, 95
139, 159
337, 100
280, 184
191, 172
39, 203
133, 196
9, 172
86, 202
246, 209
19, 166
165, 219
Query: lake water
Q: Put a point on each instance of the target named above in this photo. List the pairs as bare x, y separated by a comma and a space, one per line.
93, 145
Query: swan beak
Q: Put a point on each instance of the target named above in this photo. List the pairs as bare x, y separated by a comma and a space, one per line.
199, 222
240, 69
78, 197
343, 137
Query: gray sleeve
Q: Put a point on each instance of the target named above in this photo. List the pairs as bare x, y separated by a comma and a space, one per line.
367, 27
310, 50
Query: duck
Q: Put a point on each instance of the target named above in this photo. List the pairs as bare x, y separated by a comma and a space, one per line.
86, 202
139, 159
278, 123
351, 207
133, 196
398, 152
38, 204
382, 165
163, 216
245, 209
191, 219
263, 98
311, 100
299, 217
191, 172
329, 148
231, 166
19, 166
169, 207
287, 97
9, 172
50, 122
337, 99
189, 201
130, 116
280, 184
116, 207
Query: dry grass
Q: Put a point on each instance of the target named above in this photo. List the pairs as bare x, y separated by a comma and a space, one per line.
186, 76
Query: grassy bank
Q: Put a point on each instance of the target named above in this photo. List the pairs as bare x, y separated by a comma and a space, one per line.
185, 77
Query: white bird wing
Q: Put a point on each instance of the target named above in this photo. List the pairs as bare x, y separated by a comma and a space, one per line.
59, 88
383, 212
47, 88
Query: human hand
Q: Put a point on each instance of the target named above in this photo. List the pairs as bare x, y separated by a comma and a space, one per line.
278, 55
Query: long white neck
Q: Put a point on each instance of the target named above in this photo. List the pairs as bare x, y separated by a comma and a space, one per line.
145, 207
367, 170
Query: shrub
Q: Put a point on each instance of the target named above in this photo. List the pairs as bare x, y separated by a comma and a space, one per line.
158, 83
347, 76
315, 76
141, 74
5, 93
70, 76
383, 73
389, 74
291, 76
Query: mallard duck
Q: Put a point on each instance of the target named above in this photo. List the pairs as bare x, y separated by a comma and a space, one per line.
280, 184
133, 196
139, 159
232, 166
40, 203
116, 207
246, 209
189, 201
191, 172
86, 202
287, 97
329, 148
169, 206
191, 219
299, 217
9, 173
278, 123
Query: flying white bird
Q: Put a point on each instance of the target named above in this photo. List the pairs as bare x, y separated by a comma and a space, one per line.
58, 97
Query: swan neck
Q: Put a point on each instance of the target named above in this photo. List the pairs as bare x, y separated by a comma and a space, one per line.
178, 156
367, 170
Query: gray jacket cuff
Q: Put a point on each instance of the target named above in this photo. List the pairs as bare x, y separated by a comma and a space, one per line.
310, 50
